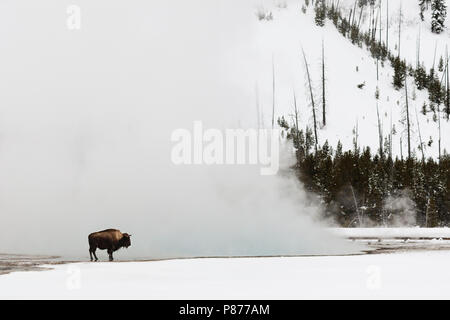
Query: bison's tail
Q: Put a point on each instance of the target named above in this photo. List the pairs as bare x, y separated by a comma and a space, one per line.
91, 239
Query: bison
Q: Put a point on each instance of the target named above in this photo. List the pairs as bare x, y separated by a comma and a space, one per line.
109, 239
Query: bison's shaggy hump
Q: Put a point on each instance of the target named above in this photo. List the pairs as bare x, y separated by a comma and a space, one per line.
107, 230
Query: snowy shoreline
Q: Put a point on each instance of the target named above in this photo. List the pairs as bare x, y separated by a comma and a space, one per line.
380, 276
364, 276
392, 233
10, 262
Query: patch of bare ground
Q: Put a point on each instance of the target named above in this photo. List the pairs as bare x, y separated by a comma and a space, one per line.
18, 262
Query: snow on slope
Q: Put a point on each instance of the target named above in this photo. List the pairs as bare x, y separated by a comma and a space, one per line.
383, 276
346, 66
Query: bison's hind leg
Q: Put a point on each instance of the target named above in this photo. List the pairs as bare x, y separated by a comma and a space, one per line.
110, 253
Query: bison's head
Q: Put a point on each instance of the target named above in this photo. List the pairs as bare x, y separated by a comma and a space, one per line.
126, 240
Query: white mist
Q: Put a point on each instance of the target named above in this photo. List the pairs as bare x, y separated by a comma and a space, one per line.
86, 117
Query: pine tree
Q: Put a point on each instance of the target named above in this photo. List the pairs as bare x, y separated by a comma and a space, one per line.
439, 13
320, 10
435, 93
420, 77
333, 14
424, 109
441, 64
432, 214
399, 73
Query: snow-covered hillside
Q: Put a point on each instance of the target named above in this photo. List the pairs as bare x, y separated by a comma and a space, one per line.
347, 66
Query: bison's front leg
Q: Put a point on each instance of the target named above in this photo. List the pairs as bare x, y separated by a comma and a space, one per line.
110, 253
92, 253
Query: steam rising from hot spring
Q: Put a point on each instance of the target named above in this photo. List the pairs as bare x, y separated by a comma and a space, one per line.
86, 118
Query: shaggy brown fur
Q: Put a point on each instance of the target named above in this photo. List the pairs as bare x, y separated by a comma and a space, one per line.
110, 240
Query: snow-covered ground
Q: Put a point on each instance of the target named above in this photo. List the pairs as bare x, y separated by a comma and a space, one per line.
393, 269
374, 276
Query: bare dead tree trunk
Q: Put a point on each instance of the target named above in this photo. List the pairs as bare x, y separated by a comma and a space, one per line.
258, 112
324, 121
381, 13
296, 110
439, 127
390, 137
387, 25
399, 30
375, 24
408, 124
349, 19
418, 49
356, 207
378, 56
434, 56
420, 138
447, 87
380, 133
296, 119
377, 69
273, 92
312, 100
360, 17
354, 13
401, 148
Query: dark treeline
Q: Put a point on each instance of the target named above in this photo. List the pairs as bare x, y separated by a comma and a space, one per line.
359, 187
